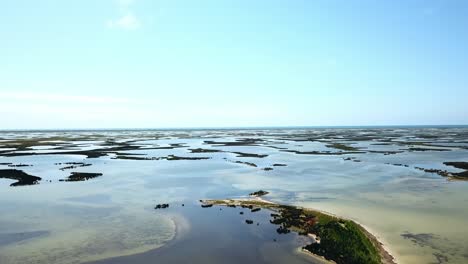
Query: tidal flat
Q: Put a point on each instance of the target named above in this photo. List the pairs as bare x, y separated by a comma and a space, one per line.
90, 196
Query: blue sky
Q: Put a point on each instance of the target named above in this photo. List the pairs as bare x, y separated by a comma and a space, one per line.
151, 64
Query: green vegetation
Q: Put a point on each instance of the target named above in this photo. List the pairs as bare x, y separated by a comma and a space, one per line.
340, 240
344, 241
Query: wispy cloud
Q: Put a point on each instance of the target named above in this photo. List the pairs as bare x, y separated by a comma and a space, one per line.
128, 20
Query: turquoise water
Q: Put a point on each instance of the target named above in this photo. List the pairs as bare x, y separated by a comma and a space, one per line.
113, 215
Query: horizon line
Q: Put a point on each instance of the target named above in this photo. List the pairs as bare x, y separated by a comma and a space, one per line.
231, 127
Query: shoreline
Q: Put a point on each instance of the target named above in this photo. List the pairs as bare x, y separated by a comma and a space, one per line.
382, 245
369, 232
386, 255
301, 250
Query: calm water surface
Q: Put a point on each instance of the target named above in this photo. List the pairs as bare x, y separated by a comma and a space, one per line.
421, 217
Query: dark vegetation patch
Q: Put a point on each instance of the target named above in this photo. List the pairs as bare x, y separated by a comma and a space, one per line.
435, 145
427, 149
173, 157
460, 175
19, 165
22, 177
72, 165
341, 146
323, 152
171, 146
238, 142
279, 165
122, 157
27, 143
339, 240
246, 163
386, 152
259, 193
81, 176
87, 153
426, 136
249, 155
276, 147
344, 242
178, 145
201, 150
354, 159
169, 157
162, 206
398, 164
116, 148
458, 164
444, 173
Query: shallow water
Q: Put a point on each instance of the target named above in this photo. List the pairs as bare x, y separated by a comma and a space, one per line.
113, 215
220, 235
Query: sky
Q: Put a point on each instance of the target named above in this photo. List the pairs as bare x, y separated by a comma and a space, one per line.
223, 63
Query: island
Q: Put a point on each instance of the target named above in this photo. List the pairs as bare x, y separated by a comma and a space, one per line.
335, 239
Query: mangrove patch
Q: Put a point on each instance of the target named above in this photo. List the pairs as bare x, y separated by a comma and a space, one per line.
81, 176
22, 177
